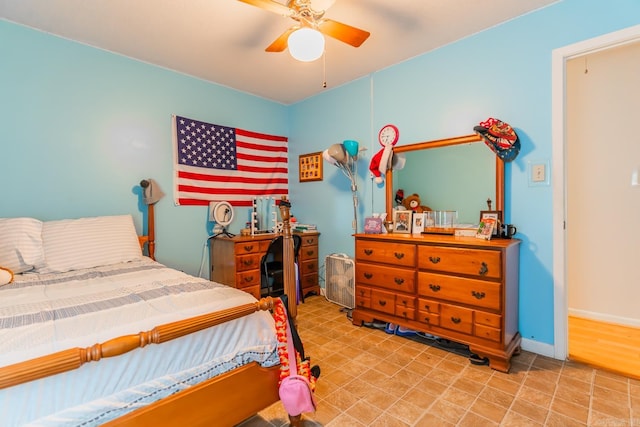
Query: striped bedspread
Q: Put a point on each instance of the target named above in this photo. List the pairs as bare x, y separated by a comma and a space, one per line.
42, 314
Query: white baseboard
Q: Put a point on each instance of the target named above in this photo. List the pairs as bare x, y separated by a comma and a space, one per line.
538, 347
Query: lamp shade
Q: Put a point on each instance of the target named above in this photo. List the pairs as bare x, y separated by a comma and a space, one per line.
306, 44
351, 147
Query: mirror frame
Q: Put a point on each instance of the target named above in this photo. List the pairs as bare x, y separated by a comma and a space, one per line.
498, 203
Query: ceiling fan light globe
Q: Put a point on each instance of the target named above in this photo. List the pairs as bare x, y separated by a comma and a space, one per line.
306, 44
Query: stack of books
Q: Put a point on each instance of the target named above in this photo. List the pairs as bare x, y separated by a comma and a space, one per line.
304, 228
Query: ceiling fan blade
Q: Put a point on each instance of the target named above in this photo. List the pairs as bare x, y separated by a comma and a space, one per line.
343, 32
282, 42
271, 6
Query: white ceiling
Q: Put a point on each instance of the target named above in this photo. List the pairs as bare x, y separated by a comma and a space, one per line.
223, 41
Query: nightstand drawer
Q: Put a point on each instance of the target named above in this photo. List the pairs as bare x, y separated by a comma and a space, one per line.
394, 254
478, 293
309, 280
307, 267
476, 262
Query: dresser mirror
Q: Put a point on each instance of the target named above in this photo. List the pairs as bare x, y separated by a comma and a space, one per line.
449, 174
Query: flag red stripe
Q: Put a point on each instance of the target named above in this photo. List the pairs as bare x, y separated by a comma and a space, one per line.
261, 147
256, 158
231, 178
205, 190
257, 135
198, 202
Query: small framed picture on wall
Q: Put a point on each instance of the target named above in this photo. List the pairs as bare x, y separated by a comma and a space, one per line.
310, 167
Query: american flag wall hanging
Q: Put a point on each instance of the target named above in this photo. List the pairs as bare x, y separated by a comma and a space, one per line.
220, 163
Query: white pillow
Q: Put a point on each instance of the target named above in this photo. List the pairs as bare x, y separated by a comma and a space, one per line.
21, 244
73, 244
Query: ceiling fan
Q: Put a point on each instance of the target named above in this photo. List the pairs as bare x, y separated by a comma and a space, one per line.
307, 17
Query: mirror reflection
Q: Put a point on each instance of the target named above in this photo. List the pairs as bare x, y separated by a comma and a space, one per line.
456, 177
450, 176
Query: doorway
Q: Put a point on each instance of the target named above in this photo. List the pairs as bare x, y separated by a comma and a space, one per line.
595, 278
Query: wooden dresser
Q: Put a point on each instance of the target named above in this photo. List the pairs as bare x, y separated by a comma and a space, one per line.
459, 288
235, 261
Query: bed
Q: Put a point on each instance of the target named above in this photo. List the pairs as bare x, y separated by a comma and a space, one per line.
71, 350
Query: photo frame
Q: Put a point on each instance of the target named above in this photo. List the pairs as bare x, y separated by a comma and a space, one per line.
372, 225
496, 216
402, 221
310, 167
418, 223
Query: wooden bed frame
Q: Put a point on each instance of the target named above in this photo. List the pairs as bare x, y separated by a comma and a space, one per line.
225, 400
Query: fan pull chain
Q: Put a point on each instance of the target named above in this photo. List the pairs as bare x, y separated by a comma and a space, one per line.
324, 69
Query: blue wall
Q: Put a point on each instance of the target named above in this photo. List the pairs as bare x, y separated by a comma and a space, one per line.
81, 127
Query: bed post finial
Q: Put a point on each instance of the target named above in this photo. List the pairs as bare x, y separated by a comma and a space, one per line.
288, 258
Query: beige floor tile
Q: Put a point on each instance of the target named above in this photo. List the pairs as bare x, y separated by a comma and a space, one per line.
370, 378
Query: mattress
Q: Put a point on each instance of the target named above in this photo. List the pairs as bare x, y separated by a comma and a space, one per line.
44, 313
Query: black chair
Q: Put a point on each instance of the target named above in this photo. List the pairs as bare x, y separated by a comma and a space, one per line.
271, 267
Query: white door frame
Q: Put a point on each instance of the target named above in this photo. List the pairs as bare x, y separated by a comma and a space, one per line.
558, 112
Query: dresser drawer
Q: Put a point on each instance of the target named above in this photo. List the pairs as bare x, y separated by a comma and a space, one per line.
432, 319
476, 262
308, 252
248, 262
309, 266
488, 333
248, 278
397, 279
363, 297
309, 240
456, 318
309, 280
478, 293
387, 253
488, 319
383, 301
242, 248
405, 307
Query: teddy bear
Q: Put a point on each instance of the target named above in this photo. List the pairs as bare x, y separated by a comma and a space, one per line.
412, 203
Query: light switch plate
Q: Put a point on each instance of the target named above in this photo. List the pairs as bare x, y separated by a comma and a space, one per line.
538, 172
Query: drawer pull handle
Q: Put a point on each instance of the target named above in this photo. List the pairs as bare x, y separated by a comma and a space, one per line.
248, 279
368, 275
382, 303
455, 320
478, 295
398, 255
309, 241
434, 288
309, 253
427, 307
247, 262
484, 269
399, 280
426, 320
368, 251
434, 259
404, 314
248, 248
362, 293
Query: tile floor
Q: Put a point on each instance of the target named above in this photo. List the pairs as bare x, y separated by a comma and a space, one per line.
371, 378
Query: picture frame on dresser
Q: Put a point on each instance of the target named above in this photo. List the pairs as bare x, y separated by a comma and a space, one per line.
402, 221
418, 223
496, 216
